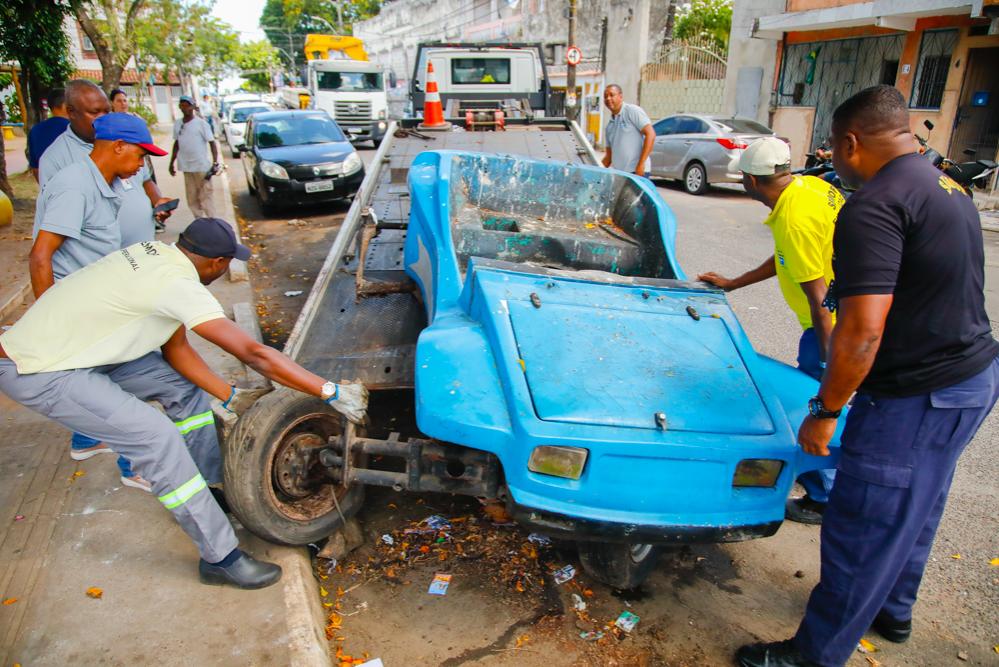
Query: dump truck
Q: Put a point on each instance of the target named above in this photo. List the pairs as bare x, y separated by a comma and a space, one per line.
528, 337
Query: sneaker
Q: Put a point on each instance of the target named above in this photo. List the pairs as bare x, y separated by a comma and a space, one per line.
88, 452
137, 482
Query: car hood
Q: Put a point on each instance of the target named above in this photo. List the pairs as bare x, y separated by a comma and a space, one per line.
308, 154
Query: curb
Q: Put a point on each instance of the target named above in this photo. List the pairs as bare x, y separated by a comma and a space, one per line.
237, 268
15, 301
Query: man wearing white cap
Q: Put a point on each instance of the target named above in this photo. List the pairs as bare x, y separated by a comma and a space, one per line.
802, 220
192, 137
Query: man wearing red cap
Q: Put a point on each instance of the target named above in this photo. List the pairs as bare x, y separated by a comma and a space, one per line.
135, 301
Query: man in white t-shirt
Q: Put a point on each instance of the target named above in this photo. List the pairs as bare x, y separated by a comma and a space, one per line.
91, 378
192, 139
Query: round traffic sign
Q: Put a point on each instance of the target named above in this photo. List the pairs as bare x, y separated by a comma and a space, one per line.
573, 55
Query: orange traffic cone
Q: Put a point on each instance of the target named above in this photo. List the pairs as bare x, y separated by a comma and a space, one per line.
433, 112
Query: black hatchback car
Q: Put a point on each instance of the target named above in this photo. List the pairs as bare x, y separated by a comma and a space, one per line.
299, 157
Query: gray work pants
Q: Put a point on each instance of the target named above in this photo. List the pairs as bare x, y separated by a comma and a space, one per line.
108, 403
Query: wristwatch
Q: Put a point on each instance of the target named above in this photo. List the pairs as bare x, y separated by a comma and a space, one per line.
330, 391
817, 409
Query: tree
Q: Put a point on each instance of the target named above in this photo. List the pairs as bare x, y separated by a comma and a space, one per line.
110, 25
257, 60
287, 22
43, 58
706, 19
184, 38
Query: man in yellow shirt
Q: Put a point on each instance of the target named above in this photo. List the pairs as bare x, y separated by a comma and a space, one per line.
92, 378
802, 220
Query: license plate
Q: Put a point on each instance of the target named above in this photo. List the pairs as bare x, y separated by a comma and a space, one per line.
319, 186
355, 130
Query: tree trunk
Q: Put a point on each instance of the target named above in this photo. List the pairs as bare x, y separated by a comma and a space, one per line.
111, 76
4, 183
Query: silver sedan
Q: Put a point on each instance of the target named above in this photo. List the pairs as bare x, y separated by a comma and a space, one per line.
697, 149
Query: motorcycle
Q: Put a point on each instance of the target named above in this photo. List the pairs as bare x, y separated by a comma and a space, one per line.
819, 164
970, 174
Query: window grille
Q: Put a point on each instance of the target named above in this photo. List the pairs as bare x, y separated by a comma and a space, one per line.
824, 74
932, 68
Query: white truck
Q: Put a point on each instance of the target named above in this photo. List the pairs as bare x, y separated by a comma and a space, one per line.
353, 93
506, 77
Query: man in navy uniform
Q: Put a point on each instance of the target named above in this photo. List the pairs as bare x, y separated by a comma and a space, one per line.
914, 342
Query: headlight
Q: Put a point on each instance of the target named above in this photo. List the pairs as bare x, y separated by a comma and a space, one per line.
558, 461
272, 170
352, 163
757, 472
381, 114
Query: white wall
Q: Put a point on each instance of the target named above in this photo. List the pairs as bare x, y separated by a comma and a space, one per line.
746, 51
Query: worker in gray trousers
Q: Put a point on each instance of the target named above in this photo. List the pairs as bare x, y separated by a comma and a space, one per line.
93, 378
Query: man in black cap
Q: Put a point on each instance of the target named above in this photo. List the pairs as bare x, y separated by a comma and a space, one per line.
135, 300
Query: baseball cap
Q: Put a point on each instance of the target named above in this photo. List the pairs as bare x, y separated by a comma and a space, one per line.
764, 156
212, 237
128, 128
186, 98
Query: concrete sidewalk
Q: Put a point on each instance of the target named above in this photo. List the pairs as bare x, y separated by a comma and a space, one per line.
66, 527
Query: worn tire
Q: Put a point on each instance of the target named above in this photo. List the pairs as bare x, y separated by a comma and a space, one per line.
249, 186
695, 179
621, 566
260, 438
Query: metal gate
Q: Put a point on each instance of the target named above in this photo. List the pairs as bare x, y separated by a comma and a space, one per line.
824, 74
686, 77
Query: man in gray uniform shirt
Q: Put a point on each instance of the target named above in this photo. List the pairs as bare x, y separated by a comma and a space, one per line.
629, 135
85, 102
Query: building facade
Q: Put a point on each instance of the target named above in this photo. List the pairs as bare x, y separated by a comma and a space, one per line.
791, 62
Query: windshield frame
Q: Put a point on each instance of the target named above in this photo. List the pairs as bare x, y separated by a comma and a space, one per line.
263, 108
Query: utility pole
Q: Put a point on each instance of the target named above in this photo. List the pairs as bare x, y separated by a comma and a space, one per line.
571, 102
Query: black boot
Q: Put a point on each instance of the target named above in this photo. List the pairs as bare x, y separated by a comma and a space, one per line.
891, 629
774, 654
246, 572
804, 510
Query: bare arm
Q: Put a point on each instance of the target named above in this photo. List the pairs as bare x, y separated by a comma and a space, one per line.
185, 360
215, 151
156, 198
40, 261
650, 139
173, 158
855, 341
607, 157
815, 291
265, 360
762, 272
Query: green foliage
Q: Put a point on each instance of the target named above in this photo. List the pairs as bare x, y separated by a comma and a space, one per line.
183, 37
43, 55
144, 112
256, 60
705, 19
110, 25
287, 22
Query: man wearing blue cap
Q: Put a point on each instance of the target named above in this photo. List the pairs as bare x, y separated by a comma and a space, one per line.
91, 204
190, 136
135, 301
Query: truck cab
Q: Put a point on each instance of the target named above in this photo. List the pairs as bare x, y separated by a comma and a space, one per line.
510, 77
353, 93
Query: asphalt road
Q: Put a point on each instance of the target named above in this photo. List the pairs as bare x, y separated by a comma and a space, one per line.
701, 606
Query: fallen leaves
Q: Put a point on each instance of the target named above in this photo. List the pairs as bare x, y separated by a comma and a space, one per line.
994, 563
76, 475
867, 647
9, 601
95, 592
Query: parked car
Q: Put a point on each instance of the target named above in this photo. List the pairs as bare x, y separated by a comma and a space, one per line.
699, 150
235, 125
298, 157
228, 100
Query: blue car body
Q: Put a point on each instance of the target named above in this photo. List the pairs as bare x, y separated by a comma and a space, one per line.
558, 315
